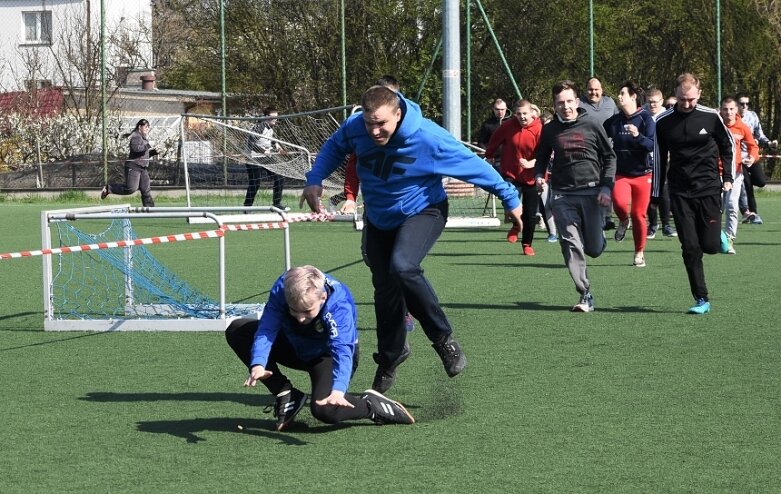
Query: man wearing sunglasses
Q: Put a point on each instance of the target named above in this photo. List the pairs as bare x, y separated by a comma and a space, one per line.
754, 174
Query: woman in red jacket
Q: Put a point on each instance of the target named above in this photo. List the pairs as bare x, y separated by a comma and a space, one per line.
518, 138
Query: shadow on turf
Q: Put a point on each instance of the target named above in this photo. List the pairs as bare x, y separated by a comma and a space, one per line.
19, 315
555, 308
188, 429
252, 399
50, 342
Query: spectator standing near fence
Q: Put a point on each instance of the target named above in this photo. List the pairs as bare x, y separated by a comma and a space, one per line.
263, 147
136, 167
691, 139
582, 164
402, 158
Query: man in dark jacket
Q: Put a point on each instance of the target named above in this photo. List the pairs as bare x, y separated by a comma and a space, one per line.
498, 115
696, 139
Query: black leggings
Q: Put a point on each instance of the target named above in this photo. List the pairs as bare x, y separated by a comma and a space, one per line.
241, 335
255, 174
753, 176
136, 178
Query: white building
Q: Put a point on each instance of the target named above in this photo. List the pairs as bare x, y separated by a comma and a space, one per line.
42, 42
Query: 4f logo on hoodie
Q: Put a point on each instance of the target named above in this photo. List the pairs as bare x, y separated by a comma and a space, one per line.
572, 144
382, 165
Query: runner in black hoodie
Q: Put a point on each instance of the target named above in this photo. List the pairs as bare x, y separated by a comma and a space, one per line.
695, 138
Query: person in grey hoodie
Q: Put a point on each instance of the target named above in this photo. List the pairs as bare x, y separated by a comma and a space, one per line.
575, 149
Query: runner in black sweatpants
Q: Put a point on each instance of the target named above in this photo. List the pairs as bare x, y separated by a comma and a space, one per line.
696, 139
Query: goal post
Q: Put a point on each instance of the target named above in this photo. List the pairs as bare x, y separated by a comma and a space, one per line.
99, 274
217, 152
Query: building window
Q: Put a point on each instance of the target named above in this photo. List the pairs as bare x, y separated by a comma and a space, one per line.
38, 27
33, 84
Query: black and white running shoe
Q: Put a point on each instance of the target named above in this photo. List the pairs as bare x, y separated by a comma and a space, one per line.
287, 407
386, 411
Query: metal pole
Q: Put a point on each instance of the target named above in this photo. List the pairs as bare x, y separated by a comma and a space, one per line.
468, 70
223, 90
428, 70
344, 59
591, 38
499, 49
222, 58
103, 137
718, 50
451, 69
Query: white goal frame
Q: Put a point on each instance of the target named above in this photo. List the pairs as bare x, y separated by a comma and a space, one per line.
51, 323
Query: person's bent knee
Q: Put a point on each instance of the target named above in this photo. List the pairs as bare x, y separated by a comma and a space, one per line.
401, 268
324, 413
711, 249
594, 253
236, 328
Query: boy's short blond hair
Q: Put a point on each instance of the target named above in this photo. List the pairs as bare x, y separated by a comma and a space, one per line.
302, 284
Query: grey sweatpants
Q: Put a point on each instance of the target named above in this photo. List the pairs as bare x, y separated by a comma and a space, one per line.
579, 220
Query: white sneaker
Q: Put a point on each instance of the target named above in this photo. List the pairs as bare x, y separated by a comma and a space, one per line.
585, 304
639, 260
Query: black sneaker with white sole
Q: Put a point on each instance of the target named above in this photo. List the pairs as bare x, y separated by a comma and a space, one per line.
287, 407
386, 411
453, 358
386, 374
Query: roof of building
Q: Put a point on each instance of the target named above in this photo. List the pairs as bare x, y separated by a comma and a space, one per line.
41, 102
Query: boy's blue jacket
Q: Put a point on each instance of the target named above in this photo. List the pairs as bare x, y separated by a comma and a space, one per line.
334, 331
404, 177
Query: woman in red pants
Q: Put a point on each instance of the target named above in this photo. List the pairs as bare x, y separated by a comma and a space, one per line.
632, 131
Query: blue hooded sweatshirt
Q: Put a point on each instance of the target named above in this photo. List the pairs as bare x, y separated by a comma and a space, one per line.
334, 331
403, 177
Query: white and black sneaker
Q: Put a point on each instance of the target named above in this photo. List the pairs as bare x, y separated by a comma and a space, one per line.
287, 406
386, 411
586, 303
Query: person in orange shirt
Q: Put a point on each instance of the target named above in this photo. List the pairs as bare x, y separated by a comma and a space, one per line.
518, 138
741, 133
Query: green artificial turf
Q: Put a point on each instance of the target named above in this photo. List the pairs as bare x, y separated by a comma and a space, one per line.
635, 397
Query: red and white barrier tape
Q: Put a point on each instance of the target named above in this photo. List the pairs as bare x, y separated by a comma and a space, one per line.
111, 245
770, 155
316, 217
310, 217
168, 238
245, 227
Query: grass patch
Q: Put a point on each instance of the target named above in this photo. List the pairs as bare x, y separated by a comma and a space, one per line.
635, 397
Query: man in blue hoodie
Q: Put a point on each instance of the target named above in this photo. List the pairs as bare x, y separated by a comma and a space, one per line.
402, 158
